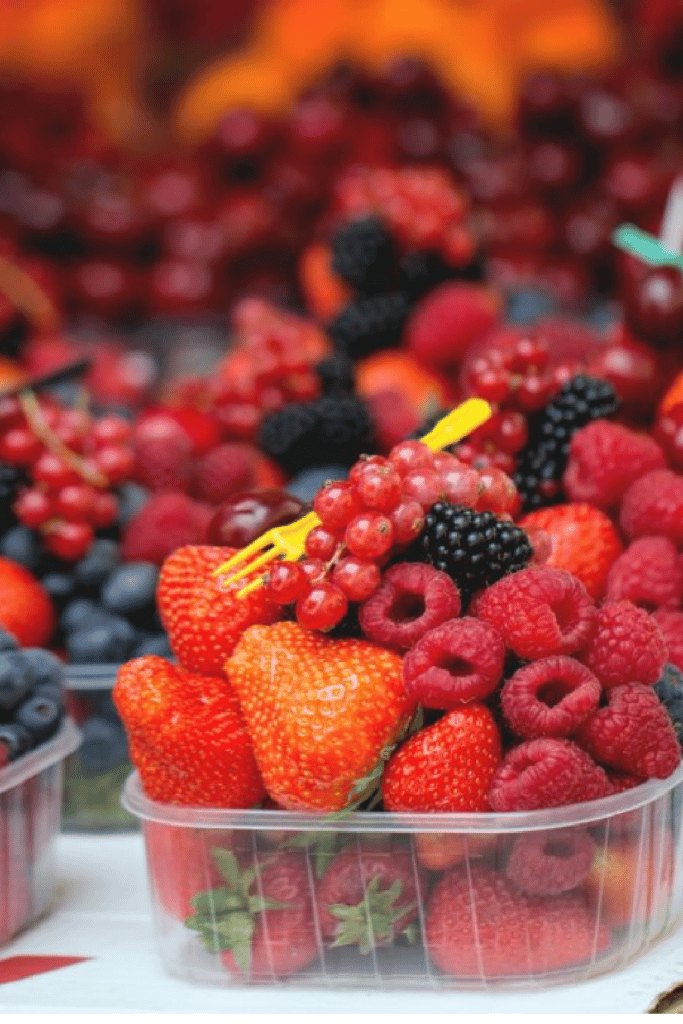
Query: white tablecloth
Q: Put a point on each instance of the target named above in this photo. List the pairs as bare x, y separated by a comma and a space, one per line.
104, 913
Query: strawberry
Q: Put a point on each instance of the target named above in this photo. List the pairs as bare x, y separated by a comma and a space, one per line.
320, 712
583, 540
261, 918
187, 736
368, 897
203, 618
479, 926
25, 607
180, 864
447, 766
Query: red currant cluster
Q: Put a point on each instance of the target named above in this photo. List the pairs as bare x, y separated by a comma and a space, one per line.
367, 518
270, 365
422, 207
72, 460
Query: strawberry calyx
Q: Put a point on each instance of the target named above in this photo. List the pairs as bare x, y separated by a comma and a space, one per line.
370, 923
225, 916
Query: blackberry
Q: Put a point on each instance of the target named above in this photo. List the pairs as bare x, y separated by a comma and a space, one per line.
422, 271
335, 374
369, 324
11, 480
542, 462
335, 428
363, 255
669, 689
474, 548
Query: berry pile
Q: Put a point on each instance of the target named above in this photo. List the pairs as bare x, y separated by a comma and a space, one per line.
31, 697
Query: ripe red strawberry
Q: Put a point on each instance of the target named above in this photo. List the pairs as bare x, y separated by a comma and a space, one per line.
368, 896
447, 766
180, 864
583, 540
320, 712
480, 926
203, 618
25, 607
187, 736
261, 918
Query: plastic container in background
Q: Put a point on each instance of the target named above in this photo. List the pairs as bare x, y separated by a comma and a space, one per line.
487, 912
30, 810
94, 774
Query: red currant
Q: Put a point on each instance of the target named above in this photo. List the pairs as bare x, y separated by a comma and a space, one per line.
369, 535
321, 544
33, 507
111, 430
105, 509
69, 541
10, 413
76, 503
322, 607
54, 471
287, 582
336, 504
408, 456
408, 520
20, 447
116, 463
378, 487
357, 578
424, 486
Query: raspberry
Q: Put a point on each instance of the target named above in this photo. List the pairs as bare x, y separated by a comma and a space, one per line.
447, 321
223, 471
670, 623
411, 600
547, 863
669, 690
604, 459
539, 612
627, 646
621, 781
163, 454
649, 573
550, 697
633, 733
461, 660
168, 521
653, 506
546, 773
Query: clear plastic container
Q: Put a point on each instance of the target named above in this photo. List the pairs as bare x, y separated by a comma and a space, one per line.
30, 808
482, 901
94, 774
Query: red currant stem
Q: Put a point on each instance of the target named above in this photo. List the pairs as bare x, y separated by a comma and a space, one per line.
31, 409
340, 550
26, 296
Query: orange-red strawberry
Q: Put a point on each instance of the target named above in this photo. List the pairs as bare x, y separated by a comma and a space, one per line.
447, 766
320, 712
583, 540
25, 606
203, 618
181, 864
187, 736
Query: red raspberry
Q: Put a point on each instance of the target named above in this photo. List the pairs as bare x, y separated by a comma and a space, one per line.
539, 612
459, 661
546, 863
627, 647
670, 623
224, 470
604, 459
168, 521
621, 781
546, 773
653, 506
411, 600
163, 454
447, 321
550, 697
649, 573
633, 733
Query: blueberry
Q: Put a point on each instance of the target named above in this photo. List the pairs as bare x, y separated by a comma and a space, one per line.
525, 307
93, 569
40, 717
105, 643
46, 667
15, 738
83, 613
22, 545
306, 484
130, 588
60, 586
104, 746
51, 691
16, 679
132, 498
8, 642
669, 689
155, 644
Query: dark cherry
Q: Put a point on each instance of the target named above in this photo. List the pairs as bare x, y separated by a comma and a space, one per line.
245, 516
605, 117
546, 107
654, 307
633, 369
181, 288
109, 289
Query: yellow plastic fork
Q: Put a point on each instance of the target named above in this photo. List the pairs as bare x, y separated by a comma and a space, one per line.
288, 542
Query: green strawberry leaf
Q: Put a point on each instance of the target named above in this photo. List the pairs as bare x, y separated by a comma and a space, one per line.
216, 901
371, 921
228, 865
257, 904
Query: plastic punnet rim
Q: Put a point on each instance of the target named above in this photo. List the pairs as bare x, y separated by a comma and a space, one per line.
134, 800
59, 747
